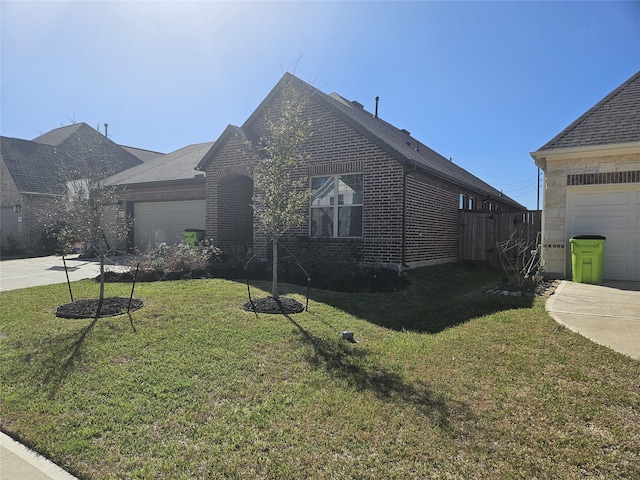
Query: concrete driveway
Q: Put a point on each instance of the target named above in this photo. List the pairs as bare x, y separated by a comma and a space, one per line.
33, 272
608, 314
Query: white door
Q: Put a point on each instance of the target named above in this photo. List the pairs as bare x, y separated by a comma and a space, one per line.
612, 211
164, 222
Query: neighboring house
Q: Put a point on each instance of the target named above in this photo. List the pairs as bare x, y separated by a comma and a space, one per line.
375, 187
30, 176
164, 196
592, 185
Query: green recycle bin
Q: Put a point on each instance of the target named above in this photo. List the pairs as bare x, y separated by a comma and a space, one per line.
587, 258
192, 236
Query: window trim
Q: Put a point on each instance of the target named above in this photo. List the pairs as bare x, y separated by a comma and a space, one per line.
335, 205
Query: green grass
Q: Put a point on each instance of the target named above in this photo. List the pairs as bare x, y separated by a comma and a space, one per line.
444, 382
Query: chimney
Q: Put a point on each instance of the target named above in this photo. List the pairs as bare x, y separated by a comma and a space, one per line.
377, 100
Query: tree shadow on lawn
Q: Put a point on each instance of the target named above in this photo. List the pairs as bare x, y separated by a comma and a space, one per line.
438, 298
345, 361
64, 353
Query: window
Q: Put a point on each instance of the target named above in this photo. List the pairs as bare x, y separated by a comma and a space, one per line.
336, 206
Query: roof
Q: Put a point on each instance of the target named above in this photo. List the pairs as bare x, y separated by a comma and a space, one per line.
59, 135
35, 165
141, 153
178, 165
28, 164
613, 120
398, 143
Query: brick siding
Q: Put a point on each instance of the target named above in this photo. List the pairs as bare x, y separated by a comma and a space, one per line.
336, 148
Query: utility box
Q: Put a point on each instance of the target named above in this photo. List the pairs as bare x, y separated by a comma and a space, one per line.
192, 236
587, 258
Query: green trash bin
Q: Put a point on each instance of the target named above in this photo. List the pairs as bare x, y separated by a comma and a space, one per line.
192, 236
587, 258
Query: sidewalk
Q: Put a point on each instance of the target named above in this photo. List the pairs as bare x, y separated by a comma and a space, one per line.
17, 462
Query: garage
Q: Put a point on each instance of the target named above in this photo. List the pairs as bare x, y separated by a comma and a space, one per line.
164, 222
614, 212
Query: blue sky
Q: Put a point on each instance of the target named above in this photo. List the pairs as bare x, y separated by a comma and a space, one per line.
484, 83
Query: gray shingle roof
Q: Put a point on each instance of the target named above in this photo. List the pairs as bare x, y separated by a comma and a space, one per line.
400, 144
35, 166
403, 147
58, 135
142, 154
396, 142
613, 120
178, 165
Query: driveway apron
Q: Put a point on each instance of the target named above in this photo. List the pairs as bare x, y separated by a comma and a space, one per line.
608, 314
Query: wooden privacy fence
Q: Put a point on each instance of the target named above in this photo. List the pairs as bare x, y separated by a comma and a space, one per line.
480, 230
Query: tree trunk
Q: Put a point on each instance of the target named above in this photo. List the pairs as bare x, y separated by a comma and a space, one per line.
101, 300
274, 283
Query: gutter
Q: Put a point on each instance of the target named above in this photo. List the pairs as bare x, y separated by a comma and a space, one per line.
541, 155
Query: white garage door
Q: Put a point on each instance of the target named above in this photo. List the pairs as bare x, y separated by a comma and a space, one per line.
164, 222
612, 211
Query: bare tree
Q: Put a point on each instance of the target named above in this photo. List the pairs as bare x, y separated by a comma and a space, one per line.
87, 212
282, 197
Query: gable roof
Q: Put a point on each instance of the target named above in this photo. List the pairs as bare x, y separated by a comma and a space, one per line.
178, 165
35, 165
59, 135
613, 120
398, 143
230, 131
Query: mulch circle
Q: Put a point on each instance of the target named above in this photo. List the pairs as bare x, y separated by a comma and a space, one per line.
280, 305
112, 306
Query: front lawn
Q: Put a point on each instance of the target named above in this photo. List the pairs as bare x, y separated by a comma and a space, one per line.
443, 382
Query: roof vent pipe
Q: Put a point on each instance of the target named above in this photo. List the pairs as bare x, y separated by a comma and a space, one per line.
106, 130
377, 100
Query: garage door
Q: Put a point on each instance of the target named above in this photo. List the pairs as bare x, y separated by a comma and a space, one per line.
158, 222
614, 212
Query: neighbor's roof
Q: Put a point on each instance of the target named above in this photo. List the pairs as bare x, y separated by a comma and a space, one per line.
178, 165
59, 135
35, 165
142, 154
398, 143
613, 120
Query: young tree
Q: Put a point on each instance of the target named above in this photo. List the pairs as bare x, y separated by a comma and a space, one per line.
87, 211
281, 197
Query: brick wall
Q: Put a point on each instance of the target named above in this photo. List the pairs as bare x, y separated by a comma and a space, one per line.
335, 148
235, 159
432, 220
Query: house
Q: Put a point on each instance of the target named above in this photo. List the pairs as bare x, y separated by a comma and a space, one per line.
164, 196
592, 185
31, 176
375, 188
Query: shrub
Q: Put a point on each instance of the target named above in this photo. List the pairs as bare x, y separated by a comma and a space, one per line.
338, 269
176, 261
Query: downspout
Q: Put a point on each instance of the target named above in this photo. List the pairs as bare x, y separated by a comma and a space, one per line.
404, 214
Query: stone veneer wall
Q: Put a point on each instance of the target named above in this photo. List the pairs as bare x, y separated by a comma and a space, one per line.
575, 170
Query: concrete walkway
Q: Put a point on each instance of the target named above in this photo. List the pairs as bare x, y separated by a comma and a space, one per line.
37, 271
608, 314
17, 462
